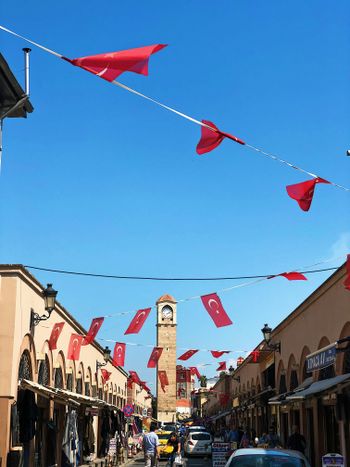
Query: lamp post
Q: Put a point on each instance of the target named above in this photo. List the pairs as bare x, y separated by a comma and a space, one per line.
266, 330
106, 355
49, 295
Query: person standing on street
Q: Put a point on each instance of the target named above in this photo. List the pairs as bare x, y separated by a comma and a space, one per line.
150, 447
174, 442
296, 441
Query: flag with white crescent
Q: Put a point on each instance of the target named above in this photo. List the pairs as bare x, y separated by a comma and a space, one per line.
55, 334
74, 347
163, 379
94, 328
134, 377
221, 367
138, 321
119, 354
188, 354
218, 353
215, 309
105, 375
154, 357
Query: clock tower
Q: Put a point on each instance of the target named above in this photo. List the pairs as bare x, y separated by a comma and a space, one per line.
166, 338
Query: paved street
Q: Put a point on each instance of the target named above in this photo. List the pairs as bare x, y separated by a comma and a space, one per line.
193, 462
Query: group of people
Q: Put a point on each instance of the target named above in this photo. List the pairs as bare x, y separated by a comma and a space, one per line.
151, 447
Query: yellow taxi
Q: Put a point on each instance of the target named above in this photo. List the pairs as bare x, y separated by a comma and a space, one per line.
163, 436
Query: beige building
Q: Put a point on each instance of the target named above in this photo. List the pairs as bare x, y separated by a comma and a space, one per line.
28, 363
299, 377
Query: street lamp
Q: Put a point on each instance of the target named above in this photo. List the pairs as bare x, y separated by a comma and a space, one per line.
106, 355
49, 295
266, 330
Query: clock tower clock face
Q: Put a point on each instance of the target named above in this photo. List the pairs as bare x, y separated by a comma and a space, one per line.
167, 312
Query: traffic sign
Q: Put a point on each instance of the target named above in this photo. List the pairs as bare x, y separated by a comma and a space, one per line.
128, 410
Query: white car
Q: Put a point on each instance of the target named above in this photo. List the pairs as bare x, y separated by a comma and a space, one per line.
198, 443
257, 457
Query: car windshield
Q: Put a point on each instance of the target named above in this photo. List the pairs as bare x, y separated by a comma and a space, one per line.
170, 427
266, 460
201, 436
163, 436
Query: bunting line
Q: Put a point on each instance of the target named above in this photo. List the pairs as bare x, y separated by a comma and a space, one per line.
181, 114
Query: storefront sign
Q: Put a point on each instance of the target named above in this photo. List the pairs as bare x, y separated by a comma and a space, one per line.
219, 451
321, 359
333, 459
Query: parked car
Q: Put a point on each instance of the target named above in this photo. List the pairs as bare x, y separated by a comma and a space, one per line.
258, 457
169, 427
198, 443
195, 428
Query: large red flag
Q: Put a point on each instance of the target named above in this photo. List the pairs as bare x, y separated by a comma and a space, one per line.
94, 328
291, 276
134, 377
119, 354
223, 398
188, 354
145, 387
221, 367
163, 379
155, 355
110, 65
194, 371
55, 334
211, 139
105, 375
138, 321
215, 309
74, 347
218, 353
129, 382
255, 354
347, 279
303, 192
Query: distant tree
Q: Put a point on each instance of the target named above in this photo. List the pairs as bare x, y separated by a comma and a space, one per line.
203, 381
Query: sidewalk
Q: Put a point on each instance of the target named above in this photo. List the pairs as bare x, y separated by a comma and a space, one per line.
102, 462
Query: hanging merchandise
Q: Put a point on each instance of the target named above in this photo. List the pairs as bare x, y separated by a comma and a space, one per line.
55, 334
215, 309
88, 437
74, 347
70, 440
138, 321
154, 357
188, 354
119, 354
94, 328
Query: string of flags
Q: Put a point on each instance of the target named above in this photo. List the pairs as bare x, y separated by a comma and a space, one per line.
109, 66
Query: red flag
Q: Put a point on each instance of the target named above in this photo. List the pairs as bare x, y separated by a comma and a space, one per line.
94, 328
144, 386
105, 375
129, 383
163, 379
119, 354
188, 354
134, 377
347, 279
55, 334
74, 347
291, 276
303, 192
155, 355
221, 367
138, 321
194, 371
255, 356
215, 309
223, 398
218, 353
110, 65
211, 139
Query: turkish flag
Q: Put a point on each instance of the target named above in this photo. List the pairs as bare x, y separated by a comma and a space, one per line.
255, 354
291, 276
55, 334
94, 328
163, 379
155, 355
215, 309
221, 367
74, 347
105, 375
129, 382
110, 65
210, 139
188, 354
194, 371
347, 279
134, 377
223, 398
303, 192
218, 353
144, 386
138, 321
119, 354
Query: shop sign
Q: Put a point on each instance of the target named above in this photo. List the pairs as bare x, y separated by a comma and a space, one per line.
333, 459
219, 451
321, 359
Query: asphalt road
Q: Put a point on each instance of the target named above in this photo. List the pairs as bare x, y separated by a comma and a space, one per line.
192, 462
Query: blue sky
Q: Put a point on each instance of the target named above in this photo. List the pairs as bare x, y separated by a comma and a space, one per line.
99, 180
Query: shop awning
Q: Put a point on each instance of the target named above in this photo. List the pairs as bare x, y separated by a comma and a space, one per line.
81, 399
45, 391
318, 386
284, 398
223, 414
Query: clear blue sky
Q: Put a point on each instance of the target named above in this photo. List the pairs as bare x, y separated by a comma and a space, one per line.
99, 180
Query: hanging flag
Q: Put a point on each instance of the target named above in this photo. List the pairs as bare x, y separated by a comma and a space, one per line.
163, 379
155, 355
240, 360
110, 65
144, 386
218, 353
210, 139
221, 367
223, 399
119, 354
255, 354
55, 334
138, 321
129, 382
347, 279
105, 375
94, 328
291, 276
188, 354
74, 347
303, 192
215, 309
134, 377
194, 371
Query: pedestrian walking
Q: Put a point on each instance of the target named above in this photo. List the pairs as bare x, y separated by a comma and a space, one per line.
296, 441
151, 447
174, 442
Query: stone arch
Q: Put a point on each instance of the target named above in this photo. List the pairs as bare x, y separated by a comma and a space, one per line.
292, 373
302, 364
343, 360
71, 375
80, 377
28, 348
59, 376
281, 378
